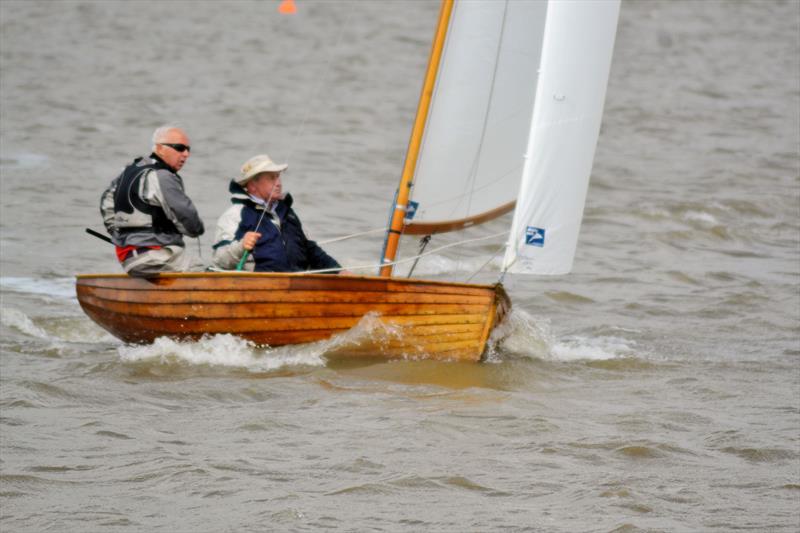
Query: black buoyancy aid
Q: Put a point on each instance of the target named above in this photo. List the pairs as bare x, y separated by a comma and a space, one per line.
127, 199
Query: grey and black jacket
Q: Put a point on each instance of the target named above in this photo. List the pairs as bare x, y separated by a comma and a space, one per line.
146, 206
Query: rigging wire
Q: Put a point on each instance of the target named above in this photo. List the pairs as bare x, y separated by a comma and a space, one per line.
345, 237
406, 260
508, 266
298, 136
486, 263
423, 243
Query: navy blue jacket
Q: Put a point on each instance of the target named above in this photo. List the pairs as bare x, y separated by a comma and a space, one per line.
284, 250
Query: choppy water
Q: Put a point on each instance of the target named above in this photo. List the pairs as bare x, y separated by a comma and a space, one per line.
656, 388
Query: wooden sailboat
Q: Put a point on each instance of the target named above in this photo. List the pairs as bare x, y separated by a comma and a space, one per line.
509, 115
440, 320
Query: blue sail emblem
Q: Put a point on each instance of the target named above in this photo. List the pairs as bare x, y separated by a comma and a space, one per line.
411, 210
534, 236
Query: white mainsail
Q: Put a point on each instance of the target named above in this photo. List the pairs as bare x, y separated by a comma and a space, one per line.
471, 156
576, 59
515, 115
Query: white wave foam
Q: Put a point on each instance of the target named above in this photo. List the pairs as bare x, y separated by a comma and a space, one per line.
58, 332
230, 351
60, 288
520, 335
14, 318
698, 216
591, 348
26, 160
224, 351
369, 328
524, 335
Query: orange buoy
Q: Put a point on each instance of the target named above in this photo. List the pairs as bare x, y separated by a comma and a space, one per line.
287, 7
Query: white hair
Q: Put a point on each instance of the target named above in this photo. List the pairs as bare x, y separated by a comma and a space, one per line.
161, 132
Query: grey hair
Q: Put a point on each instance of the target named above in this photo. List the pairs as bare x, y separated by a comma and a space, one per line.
161, 132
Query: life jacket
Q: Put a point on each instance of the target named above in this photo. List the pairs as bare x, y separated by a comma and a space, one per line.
132, 213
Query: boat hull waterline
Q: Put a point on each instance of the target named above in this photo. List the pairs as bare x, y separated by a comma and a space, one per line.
422, 319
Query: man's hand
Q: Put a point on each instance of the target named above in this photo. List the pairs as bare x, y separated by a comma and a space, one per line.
249, 240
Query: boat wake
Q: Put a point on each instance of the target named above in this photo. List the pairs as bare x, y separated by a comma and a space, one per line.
583, 348
64, 334
234, 352
226, 351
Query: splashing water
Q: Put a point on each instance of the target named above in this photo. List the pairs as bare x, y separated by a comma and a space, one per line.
223, 351
522, 335
519, 335
577, 348
233, 352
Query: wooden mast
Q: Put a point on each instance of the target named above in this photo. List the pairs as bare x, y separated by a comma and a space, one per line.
401, 201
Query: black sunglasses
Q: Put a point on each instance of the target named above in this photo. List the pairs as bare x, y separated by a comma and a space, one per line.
178, 147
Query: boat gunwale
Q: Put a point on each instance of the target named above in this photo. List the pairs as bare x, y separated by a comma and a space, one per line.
288, 275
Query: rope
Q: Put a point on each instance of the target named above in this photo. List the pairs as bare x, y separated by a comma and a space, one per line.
406, 260
337, 239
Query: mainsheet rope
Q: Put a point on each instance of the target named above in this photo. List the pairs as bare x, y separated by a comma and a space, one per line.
409, 259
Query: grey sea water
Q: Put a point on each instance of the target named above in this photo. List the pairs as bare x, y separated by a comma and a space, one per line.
655, 388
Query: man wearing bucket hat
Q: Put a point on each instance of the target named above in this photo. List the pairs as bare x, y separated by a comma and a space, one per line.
262, 223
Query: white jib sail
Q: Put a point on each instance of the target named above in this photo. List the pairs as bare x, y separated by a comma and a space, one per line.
472, 153
576, 59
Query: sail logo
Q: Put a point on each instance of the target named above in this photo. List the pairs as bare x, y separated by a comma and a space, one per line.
411, 210
534, 236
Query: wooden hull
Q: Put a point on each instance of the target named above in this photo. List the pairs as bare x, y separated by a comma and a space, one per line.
423, 319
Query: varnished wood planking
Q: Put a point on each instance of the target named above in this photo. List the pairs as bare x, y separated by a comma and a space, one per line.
446, 319
186, 296
398, 341
281, 310
166, 326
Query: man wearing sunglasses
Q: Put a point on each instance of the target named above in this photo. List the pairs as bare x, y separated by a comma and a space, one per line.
147, 212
